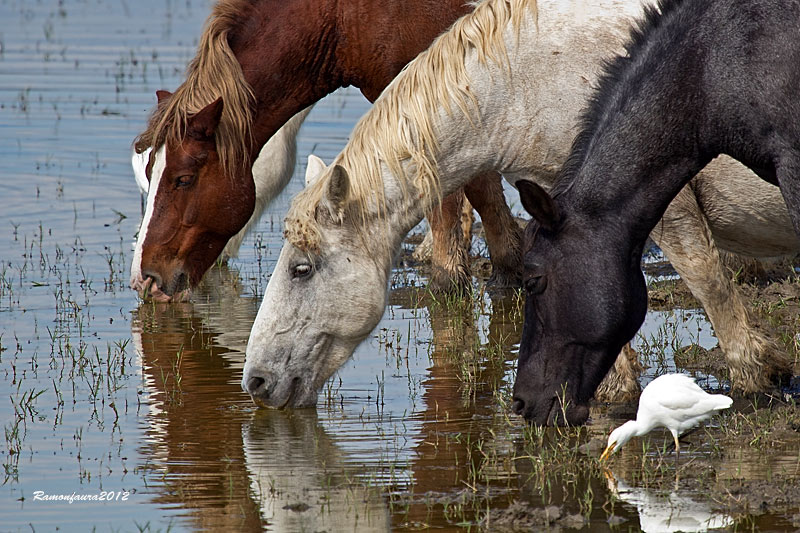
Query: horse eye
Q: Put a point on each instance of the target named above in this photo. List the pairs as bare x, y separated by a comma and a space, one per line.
301, 271
535, 284
184, 181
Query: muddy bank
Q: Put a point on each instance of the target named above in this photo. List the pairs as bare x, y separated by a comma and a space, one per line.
742, 470
774, 309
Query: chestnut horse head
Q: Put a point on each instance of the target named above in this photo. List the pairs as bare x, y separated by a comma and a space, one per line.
203, 142
201, 190
188, 221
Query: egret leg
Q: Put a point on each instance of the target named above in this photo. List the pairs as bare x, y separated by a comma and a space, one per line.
677, 449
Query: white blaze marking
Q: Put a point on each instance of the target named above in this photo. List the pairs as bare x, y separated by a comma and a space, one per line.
158, 168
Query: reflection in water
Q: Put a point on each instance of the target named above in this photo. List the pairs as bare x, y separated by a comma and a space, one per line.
300, 478
225, 464
193, 441
671, 512
463, 440
442, 460
210, 453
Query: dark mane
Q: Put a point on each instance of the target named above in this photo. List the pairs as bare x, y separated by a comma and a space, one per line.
611, 87
213, 72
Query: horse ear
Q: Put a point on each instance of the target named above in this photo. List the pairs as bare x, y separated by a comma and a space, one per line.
336, 192
203, 123
314, 169
162, 96
538, 204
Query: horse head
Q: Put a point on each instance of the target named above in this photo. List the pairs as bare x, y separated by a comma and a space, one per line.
321, 301
193, 208
582, 305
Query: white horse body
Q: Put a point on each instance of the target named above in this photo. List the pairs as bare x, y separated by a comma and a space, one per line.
272, 171
483, 97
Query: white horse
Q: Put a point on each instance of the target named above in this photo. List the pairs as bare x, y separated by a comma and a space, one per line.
501, 90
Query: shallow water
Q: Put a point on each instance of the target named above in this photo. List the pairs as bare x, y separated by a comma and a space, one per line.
141, 404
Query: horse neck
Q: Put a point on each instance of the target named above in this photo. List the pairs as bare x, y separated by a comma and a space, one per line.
378, 41
470, 138
289, 67
331, 44
507, 128
643, 150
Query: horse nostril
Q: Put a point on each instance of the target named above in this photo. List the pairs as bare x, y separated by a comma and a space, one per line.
152, 275
517, 406
254, 384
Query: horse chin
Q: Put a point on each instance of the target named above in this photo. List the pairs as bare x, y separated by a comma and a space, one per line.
549, 405
150, 291
178, 297
576, 415
551, 413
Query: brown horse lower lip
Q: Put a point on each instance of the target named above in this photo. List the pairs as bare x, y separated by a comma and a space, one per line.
153, 291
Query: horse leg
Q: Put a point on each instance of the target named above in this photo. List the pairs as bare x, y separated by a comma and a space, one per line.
685, 238
502, 232
788, 174
449, 261
467, 221
621, 384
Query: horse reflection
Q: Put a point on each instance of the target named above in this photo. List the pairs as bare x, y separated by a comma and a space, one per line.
462, 423
206, 455
194, 455
302, 479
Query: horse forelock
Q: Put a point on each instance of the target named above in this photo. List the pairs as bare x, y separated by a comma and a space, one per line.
410, 104
214, 72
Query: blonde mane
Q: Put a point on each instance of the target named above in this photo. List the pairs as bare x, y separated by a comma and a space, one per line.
213, 72
437, 77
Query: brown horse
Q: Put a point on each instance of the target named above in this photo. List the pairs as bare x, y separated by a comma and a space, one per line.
258, 64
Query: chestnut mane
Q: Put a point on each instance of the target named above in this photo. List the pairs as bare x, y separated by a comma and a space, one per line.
214, 72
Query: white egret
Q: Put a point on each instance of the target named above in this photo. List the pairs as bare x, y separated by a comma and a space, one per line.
673, 401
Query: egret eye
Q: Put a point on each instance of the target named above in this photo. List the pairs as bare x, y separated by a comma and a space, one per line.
535, 284
184, 181
300, 271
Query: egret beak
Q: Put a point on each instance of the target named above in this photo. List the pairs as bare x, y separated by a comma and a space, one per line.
610, 479
608, 452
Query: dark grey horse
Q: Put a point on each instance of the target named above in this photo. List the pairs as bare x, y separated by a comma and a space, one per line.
700, 78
